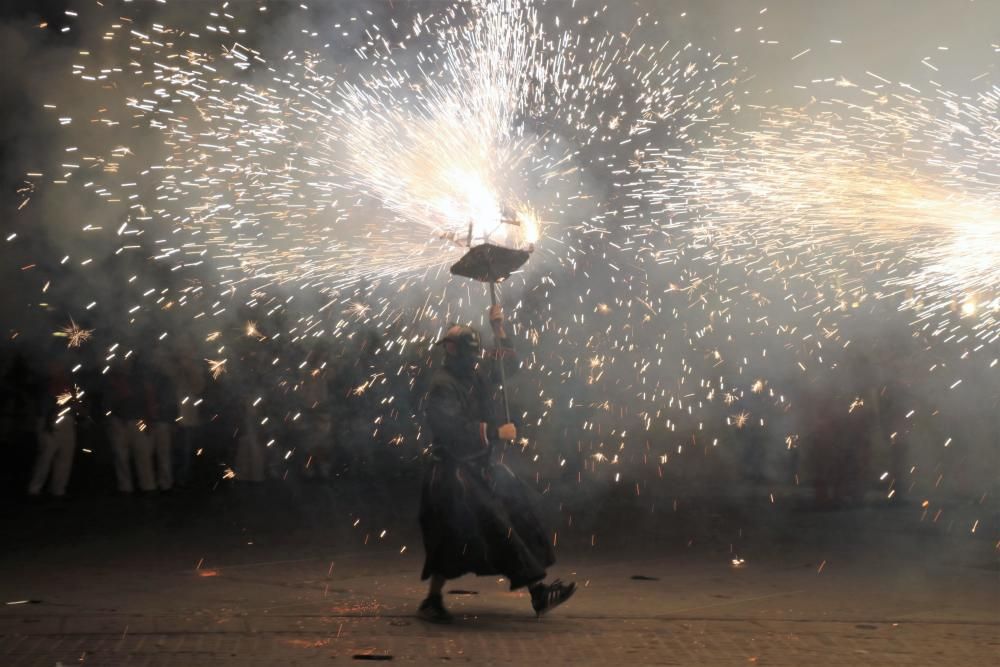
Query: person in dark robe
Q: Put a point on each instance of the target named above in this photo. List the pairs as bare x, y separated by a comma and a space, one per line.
476, 516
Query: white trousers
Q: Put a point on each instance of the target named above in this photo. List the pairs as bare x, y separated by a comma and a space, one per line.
161, 437
54, 460
132, 448
249, 462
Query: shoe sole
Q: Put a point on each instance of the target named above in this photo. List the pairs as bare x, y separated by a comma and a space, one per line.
542, 612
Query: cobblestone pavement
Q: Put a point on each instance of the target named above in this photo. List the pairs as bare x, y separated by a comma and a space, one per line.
501, 640
629, 611
212, 580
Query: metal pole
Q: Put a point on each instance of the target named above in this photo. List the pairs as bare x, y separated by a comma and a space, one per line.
499, 348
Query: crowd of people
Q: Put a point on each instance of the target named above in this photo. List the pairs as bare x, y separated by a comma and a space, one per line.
167, 417
151, 417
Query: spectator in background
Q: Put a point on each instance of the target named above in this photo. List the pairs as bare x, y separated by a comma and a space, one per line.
56, 430
250, 457
129, 442
19, 392
316, 424
160, 415
190, 385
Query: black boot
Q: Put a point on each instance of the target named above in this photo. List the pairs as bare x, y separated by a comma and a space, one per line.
546, 597
432, 610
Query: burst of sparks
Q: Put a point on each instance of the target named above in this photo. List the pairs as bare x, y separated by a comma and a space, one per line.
216, 367
684, 242
252, 331
75, 334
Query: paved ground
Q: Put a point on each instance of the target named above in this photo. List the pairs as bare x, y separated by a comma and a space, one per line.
149, 588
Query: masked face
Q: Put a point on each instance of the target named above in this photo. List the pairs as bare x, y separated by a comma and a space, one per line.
462, 348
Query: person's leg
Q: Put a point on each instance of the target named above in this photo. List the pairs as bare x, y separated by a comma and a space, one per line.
65, 437
43, 459
142, 454
432, 608
307, 438
324, 449
118, 432
182, 455
160, 434
258, 460
241, 461
249, 458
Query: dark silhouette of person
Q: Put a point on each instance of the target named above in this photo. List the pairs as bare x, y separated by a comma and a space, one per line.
476, 516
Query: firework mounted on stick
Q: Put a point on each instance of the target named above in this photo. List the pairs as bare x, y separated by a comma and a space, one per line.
492, 263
